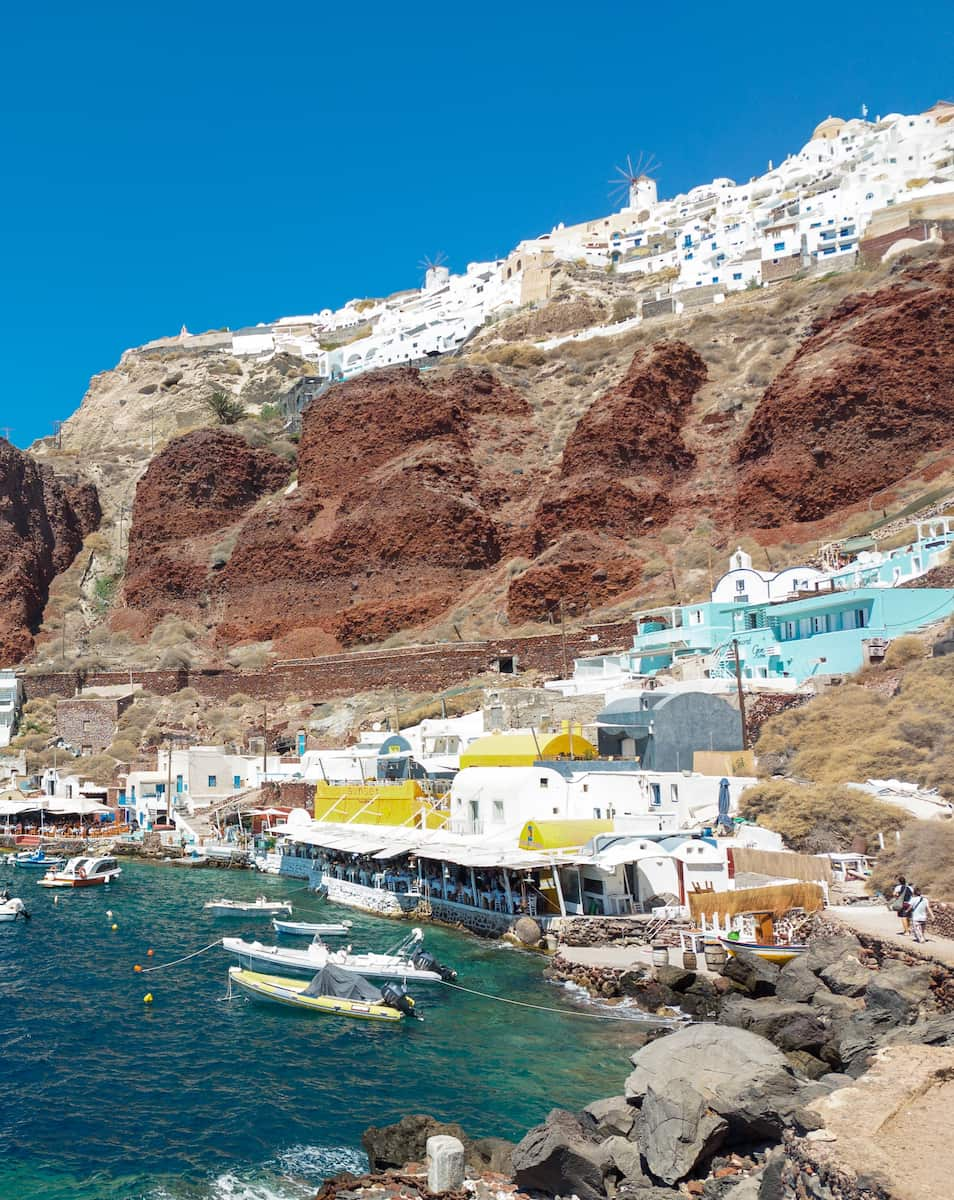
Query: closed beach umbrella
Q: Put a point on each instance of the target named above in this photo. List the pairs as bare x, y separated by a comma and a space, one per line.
724, 802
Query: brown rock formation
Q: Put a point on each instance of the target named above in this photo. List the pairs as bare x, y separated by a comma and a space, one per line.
620, 462
194, 491
867, 395
42, 525
582, 585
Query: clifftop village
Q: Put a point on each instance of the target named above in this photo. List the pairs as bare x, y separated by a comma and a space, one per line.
857, 188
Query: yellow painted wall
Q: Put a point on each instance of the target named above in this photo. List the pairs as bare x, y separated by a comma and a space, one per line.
560, 835
723, 762
377, 804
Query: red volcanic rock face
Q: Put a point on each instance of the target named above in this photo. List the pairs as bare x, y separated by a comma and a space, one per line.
869, 392
536, 594
198, 487
42, 526
620, 461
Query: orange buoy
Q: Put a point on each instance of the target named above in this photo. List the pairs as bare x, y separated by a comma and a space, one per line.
150, 953
137, 968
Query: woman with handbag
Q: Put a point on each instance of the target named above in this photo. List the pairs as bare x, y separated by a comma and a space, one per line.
901, 904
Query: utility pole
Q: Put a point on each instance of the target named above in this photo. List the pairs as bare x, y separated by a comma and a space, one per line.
738, 684
566, 668
58, 434
264, 742
169, 779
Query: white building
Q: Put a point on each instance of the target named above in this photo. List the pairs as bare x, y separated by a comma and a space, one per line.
11, 700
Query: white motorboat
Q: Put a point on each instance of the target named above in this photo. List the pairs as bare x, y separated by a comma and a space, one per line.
406, 960
86, 870
239, 908
312, 928
12, 907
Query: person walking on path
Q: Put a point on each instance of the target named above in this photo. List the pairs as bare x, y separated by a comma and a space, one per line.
901, 903
920, 911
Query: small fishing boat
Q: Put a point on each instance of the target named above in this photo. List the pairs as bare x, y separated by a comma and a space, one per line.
239, 908
406, 960
332, 991
312, 929
38, 860
12, 907
771, 952
86, 870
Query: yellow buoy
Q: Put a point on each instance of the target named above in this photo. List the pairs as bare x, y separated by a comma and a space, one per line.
147, 999
114, 928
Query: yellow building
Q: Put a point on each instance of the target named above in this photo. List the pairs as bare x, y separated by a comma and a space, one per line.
402, 803
561, 835
524, 749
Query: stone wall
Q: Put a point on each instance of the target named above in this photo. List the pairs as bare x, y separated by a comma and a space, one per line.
602, 931
89, 723
427, 668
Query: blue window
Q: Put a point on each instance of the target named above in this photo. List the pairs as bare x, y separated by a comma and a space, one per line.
638, 242
687, 239
178, 785
236, 781
779, 246
815, 225
714, 246
715, 278
212, 781
736, 274
688, 256
847, 232
828, 250
160, 789
656, 795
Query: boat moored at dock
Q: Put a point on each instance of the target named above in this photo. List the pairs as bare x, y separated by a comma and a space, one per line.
38, 860
86, 870
770, 952
312, 929
332, 991
240, 908
406, 960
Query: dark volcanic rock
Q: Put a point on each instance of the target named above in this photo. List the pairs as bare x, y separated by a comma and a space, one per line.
560, 1157
676, 1129
393, 1146
42, 525
753, 974
785, 1024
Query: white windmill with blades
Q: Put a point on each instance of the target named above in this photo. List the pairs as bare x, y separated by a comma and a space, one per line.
436, 271
635, 184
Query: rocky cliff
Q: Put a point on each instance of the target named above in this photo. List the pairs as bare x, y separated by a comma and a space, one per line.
43, 521
512, 484
869, 393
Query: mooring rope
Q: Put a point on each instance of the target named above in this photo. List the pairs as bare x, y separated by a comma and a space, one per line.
565, 1012
175, 962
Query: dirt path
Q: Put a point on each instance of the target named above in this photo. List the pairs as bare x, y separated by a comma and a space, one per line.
878, 920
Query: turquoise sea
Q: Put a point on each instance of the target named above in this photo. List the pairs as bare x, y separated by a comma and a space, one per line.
103, 1097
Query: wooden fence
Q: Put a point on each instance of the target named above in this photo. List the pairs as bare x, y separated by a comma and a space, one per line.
781, 864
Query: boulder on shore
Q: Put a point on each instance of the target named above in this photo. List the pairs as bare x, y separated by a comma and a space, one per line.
786, 1025
741, 1076
677, 1129
753, 974
560, 1157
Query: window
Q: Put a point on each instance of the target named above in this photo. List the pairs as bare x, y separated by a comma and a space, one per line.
498, 810
544, 782
212, 781
740, 585
674, 793
178, 785
86, 726
736, 274
779, 246
861, 618
655, 795
236, 781
597, 814
87, 750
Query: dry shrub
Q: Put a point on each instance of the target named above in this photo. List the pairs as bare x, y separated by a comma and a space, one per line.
904, 650
924, 854
123, 749
238, 700
176, 658
249, 657
171, 631
854, 734
818, 819
99, 768
517, 354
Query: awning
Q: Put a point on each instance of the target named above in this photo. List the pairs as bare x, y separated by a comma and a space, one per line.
561, 835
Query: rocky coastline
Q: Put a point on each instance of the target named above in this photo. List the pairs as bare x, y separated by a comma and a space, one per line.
781, 1084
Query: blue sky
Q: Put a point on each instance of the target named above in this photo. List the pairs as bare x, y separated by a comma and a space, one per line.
220, 165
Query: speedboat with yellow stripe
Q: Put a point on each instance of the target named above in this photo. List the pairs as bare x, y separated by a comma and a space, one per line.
332, 991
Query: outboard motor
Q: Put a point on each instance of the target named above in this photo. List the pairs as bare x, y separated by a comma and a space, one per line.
425, 961
394, 995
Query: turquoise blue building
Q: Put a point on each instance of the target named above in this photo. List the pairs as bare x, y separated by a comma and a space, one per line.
823, 633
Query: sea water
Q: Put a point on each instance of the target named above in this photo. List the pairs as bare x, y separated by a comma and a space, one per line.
195, 1097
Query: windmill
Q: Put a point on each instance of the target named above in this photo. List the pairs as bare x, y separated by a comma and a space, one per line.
634, 186
433, 268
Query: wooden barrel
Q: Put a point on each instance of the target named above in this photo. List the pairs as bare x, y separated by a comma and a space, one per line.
660, 954
689, 959
715, 956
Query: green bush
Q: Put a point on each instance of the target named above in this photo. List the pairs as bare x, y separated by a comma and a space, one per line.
225, 409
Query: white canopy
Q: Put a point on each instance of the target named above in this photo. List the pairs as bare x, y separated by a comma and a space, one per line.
81, 807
